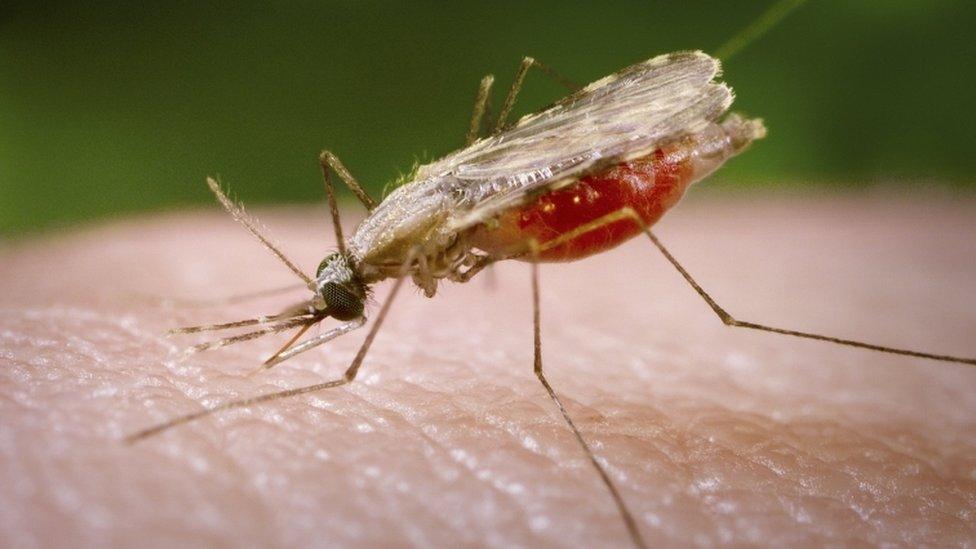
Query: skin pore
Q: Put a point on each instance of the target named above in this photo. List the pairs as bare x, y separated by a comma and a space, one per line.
713, 435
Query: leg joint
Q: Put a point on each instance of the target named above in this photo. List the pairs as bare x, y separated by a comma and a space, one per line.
326, 157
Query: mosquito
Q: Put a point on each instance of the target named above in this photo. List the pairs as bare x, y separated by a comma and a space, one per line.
592, 171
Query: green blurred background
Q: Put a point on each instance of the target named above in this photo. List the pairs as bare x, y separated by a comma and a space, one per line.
112, 108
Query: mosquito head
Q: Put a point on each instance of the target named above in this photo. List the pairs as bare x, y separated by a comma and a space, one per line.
339, 289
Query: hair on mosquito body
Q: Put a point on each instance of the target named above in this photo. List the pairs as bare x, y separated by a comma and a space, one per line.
592, 171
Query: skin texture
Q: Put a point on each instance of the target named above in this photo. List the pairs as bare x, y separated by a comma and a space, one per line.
714, 435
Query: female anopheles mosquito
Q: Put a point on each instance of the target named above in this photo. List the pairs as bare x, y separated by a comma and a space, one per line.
531, 180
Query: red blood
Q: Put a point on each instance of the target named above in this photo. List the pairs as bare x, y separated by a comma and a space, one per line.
650, 185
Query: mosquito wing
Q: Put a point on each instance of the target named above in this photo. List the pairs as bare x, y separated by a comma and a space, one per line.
624, 115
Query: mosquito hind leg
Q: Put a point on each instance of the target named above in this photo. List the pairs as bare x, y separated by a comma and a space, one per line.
625, 513
347, 377
479, 265
729, 320
526, 64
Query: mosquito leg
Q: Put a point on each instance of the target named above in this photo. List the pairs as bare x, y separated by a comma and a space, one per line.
423, 278
628, 518
285, 353
347, 377
241, 216
729, 320
329, 160
527, 63
291, 341
766, 21
480, 106
474, 269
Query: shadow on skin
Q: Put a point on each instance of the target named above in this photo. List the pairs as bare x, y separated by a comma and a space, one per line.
713, 435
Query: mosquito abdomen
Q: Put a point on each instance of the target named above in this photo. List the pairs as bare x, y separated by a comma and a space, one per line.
650, 184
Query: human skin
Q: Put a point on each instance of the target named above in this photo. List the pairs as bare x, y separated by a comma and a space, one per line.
714, 435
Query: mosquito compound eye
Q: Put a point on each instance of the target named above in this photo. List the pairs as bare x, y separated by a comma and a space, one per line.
343, 304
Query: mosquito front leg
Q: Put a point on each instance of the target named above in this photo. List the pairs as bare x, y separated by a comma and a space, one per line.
288, 351
728, 319
625, 513
328, 162
328, 159
262, 320
347, 377
288, 344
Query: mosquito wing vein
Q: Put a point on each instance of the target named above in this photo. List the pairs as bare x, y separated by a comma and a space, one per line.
623, 114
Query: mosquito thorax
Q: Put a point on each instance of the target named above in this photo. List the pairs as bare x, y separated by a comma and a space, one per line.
340, 287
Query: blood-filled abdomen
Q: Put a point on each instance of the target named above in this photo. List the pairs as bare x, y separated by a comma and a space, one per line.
650, 185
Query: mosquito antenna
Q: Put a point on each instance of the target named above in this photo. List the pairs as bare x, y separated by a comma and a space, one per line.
347, 377
238, 213
769, 19
629, 521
